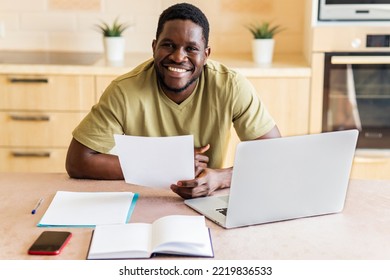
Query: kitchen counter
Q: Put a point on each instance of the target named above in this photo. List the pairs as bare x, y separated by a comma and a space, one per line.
18, 62
360, 232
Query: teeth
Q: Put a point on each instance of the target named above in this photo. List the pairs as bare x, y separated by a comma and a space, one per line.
173, 69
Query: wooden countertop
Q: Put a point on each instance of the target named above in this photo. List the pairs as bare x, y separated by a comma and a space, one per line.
360, 232
12, 62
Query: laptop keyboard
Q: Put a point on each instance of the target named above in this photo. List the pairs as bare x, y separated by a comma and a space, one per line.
222, 211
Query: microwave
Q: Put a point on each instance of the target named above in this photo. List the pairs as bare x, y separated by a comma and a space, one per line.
354, 10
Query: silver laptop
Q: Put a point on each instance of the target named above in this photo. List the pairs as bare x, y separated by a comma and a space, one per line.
284, 178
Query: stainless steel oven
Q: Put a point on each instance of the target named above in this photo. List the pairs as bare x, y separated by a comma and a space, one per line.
350, 87
356, 94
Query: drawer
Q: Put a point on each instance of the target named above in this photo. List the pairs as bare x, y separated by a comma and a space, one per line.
38, 129
32, 92
32, 160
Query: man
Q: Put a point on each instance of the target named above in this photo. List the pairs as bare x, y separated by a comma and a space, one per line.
178, 92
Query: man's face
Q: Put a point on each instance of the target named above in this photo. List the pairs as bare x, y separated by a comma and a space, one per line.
179, 55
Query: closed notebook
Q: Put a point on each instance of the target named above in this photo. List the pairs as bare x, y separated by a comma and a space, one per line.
173, 235
88, 209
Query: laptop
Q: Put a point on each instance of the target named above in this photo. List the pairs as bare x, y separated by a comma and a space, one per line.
284, 178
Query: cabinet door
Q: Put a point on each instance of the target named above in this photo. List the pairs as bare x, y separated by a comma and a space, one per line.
287, 100
372, 166
46, 92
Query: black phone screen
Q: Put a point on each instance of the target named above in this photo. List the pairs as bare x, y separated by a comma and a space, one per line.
50, 243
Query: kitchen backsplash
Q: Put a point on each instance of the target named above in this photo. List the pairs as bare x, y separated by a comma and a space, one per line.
68, 25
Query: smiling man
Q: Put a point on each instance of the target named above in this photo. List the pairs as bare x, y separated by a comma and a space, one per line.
179, 59
177, 92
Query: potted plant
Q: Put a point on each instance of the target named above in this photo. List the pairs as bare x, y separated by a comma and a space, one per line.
114, 43
263, 41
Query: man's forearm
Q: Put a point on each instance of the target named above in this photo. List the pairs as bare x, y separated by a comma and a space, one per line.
96, 166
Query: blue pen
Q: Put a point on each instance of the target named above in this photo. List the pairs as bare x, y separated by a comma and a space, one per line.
37, 206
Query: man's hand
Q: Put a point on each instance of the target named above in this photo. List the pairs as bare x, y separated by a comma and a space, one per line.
208, 181
201, 160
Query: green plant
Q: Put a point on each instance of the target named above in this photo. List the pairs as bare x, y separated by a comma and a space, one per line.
114, 30
264, 30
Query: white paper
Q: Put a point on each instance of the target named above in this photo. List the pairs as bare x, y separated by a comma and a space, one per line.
156, 161
88, 209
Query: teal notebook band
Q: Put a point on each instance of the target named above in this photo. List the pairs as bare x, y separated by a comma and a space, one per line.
132, 206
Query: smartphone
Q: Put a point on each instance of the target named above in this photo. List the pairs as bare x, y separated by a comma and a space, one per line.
50, 243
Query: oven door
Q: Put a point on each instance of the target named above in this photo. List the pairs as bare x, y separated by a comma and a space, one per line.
357, 95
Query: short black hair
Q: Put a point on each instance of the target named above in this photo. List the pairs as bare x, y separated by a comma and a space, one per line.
184, 11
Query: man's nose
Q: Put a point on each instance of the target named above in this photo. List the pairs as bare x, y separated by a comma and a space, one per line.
179, 55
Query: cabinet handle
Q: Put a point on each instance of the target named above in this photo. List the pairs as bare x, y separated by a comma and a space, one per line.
351, 59
31, 154
29, 80
37, 118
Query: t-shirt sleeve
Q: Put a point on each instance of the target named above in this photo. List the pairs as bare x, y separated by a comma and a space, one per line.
251, 118
105, 119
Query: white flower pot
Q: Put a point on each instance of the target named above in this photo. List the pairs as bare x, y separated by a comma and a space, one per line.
114, 48
263, 50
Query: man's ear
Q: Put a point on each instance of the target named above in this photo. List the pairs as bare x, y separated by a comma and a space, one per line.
154, 42
207, 52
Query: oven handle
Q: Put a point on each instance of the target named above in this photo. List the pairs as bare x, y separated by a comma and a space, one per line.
366, 59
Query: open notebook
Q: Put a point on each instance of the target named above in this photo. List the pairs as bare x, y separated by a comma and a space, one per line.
174, 235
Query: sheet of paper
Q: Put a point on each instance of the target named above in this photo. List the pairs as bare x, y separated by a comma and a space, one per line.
88, 209
156, 161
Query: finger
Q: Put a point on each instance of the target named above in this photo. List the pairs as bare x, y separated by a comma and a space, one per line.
201, 165
190, 192
199, 170
188, 183
183, 192
198, 181
203, 149
201, 158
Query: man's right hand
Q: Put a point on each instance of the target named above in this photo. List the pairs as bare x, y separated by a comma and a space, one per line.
201, 160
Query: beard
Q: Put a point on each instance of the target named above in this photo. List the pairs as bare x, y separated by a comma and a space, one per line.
172, 89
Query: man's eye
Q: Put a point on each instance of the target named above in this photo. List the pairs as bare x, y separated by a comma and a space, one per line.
192, 49
168, 45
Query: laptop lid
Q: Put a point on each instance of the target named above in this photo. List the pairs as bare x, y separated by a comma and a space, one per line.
287, 178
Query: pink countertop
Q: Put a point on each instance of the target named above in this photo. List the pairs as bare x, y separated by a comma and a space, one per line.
361, 231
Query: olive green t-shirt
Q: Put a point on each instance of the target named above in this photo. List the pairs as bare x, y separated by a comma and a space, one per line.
134, 104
